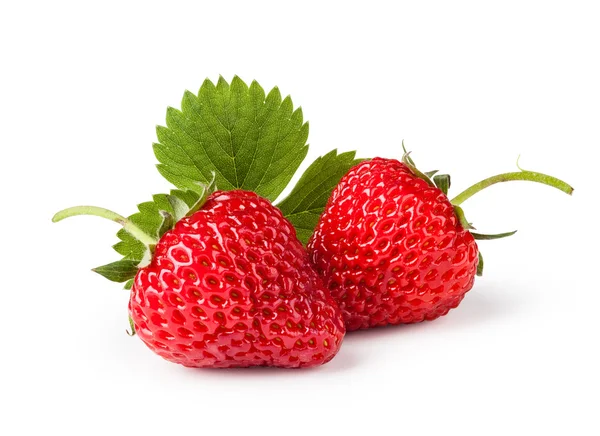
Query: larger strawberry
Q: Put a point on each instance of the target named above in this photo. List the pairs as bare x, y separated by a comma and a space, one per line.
393, 249
231, 286
227, 282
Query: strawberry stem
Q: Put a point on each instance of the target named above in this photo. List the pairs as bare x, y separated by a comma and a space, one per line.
530, 176
130, 227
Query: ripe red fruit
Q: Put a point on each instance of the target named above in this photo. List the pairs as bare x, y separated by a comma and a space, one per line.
231, 286
391, 247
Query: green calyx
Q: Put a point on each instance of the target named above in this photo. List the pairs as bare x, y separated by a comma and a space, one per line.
141, 235
442, 182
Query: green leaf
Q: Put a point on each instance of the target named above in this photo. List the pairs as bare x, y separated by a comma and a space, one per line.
119, 271
149, 219
248, 140
304, 205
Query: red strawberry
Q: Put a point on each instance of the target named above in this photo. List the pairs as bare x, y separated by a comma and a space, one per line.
231, 286
393, 249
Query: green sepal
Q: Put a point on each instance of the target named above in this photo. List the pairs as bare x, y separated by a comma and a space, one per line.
407, 160
157, 217
208, 189
167, 223
442, 181
460, 214
131, 332
430, 174
180, 208
305, 204
406, 156
120, 271
148, 254
482, 237
128, 284
150, 220
480, 265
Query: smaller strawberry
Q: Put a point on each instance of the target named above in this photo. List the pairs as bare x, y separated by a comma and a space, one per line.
393, 249
228, 285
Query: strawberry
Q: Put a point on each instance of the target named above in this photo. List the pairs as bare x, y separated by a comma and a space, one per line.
393, 249
221, 279
231, 286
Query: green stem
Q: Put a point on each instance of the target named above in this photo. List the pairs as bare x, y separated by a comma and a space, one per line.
507, 177
131, 228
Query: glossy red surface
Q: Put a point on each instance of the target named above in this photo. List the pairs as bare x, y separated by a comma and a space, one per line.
231, 286
390, 248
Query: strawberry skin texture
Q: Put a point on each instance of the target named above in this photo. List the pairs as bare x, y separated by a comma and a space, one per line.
391, 249
231, 286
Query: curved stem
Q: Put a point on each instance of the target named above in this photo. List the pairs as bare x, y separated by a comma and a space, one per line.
131, 228
507, 177
88, 210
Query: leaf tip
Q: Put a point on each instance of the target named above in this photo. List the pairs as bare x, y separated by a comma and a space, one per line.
187, 94
206, 85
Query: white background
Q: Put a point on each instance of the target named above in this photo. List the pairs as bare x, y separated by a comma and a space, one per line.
468, 85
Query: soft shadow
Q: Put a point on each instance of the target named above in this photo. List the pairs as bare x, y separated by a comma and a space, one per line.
345, 359
484, 304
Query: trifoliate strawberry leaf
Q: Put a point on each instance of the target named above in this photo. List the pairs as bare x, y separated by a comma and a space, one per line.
249, 140
304, 205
